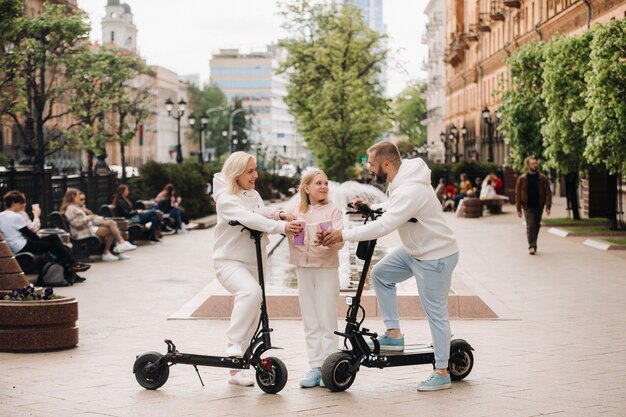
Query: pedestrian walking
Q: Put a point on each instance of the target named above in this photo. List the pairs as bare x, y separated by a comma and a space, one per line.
532, 194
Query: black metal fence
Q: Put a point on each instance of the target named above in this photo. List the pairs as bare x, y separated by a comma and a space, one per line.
48, 190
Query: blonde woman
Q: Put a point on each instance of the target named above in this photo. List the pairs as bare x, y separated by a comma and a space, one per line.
83, 223
318, 273
234, 254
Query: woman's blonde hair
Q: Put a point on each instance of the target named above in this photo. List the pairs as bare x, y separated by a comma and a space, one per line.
234, 166
307, 179
68, 198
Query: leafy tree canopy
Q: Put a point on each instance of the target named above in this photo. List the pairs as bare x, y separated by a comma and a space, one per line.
605, 120
333, 90
522, 107
566, 61
409, 109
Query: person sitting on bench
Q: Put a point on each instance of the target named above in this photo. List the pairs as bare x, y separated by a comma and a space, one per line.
21, 239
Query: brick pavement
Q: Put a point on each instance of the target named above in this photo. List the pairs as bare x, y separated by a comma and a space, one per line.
557, 353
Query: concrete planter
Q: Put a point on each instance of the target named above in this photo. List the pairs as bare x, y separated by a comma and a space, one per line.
31, 326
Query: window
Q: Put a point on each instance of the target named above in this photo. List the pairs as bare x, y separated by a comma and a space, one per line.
112, 36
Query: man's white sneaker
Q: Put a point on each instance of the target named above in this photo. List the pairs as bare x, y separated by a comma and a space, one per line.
125, 247
108, 257
123, 256
240, 378
234, 351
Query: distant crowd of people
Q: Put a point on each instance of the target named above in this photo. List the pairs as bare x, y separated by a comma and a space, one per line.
452, 195
22, 229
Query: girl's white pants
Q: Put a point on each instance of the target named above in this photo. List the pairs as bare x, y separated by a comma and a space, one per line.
318, 289
242, 281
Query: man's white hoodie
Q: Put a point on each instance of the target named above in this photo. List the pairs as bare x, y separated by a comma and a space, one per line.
247, 207
411, 195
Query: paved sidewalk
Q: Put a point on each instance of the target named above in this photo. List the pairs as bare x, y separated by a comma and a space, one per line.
559, 351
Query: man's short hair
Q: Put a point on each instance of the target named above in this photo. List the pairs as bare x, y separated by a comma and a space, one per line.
385, 150
13, 197
527, 160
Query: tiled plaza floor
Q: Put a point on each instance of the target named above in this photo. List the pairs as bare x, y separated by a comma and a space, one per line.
559, 349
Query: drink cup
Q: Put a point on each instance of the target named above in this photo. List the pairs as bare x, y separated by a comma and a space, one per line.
326, 226
311, 231
35, 206
299, 238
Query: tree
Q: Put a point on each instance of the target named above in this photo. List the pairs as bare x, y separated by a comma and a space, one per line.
522, 107
333, 90
209, 100
409, 111
132, 106
566, 61
605, 118
33, 91
96, 81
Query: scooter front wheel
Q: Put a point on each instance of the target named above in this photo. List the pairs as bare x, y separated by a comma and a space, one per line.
147, 373
336, 372
272, 376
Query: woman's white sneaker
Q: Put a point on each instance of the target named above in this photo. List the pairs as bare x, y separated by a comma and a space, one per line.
125, 247
241, 378
108, 257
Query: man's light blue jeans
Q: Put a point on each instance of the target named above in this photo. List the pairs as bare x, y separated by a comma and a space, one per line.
433, 284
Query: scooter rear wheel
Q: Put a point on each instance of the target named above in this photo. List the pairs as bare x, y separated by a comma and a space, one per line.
336, 372
147, 374
273, 377
461, 361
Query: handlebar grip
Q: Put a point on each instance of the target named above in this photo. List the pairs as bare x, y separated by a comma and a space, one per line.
234, 223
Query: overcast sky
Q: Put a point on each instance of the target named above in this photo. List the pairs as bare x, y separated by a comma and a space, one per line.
181, 35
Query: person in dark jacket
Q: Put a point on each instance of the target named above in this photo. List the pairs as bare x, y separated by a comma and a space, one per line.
532, 194
123, 208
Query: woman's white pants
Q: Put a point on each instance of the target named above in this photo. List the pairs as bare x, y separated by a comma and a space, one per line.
242, 281
318, 289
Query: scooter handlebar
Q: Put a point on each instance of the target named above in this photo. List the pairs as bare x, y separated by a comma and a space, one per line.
366, 211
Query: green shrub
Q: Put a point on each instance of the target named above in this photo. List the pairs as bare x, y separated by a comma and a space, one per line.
191, 180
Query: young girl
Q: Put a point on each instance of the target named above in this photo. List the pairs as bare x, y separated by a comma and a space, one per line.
81, 223
318, 274
234, 253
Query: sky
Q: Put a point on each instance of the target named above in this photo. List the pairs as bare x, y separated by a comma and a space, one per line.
184, 36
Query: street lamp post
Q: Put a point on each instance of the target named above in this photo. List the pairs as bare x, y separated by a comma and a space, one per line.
180, 111
230, 128
442, 136
454, 137
464, 136
204, 121
486, 115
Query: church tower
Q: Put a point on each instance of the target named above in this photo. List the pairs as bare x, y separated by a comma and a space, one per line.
118, 27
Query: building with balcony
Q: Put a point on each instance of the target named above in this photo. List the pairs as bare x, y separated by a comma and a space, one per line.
480, 35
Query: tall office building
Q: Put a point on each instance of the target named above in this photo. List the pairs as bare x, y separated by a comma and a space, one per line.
252, 78
372, 11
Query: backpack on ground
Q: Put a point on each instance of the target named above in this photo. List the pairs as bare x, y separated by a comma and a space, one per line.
53, 274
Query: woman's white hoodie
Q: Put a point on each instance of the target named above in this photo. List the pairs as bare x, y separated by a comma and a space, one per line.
411, 195
247, 207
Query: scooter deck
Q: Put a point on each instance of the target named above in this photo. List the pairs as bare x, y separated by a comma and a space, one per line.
408, 350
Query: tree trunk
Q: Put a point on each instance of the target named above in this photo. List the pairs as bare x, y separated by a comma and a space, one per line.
571, 193
612, 203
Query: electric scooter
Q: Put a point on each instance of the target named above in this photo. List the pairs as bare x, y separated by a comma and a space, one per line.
152, 369
340, 368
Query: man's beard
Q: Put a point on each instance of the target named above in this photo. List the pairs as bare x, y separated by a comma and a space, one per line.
381, 176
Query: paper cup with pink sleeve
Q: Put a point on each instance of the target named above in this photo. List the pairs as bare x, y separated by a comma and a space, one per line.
299, 238
326, 226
